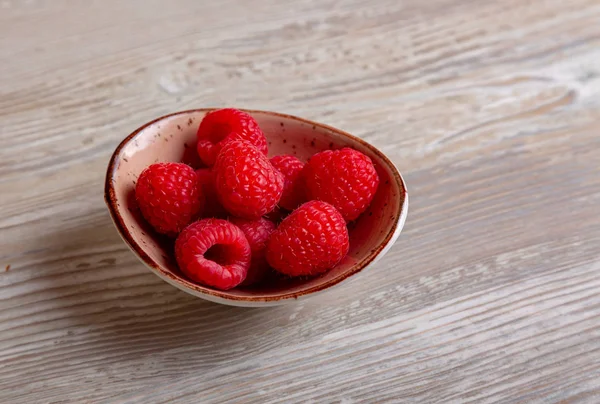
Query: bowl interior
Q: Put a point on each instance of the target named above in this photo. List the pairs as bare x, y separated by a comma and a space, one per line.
172, 138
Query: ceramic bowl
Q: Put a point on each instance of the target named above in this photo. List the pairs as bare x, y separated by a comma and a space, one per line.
172, 138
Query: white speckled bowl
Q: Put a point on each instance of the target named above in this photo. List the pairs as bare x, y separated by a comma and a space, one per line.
173, 137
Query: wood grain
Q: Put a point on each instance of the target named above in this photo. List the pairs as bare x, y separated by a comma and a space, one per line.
491, 110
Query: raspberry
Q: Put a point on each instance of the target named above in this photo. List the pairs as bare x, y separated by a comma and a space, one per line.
169, 196
213, 252
293, 191
257, 232
212, 206
247, 184
222, 125
311, 240
345, 178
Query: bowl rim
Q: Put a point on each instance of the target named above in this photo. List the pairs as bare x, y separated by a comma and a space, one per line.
111, 202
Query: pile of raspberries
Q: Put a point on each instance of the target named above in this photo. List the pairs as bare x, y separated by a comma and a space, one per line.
230, 219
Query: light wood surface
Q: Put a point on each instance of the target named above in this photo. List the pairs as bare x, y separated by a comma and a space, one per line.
490, 109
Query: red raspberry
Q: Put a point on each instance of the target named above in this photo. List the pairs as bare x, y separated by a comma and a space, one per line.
212, 206
247, 184
222, 125
169, 196
293, 190
311, 240
213, 252
257, 232
345, 178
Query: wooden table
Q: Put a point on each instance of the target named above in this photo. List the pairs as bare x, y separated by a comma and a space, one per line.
491, 110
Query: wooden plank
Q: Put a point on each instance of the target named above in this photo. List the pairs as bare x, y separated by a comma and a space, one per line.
489, 108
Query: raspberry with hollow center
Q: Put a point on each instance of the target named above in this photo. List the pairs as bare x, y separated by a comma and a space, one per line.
169, 196
257, 233
247, 184
293, 190
345, 178
213, 252
311, 240
220, 126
